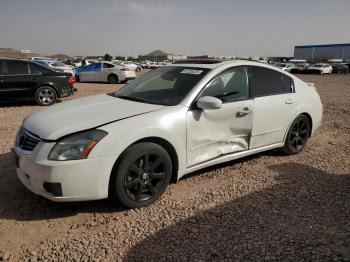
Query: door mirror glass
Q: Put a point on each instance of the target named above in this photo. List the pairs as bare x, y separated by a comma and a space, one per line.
209, 102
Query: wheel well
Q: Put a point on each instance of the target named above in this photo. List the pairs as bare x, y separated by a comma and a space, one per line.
113, 74
169, 148
310, 120
163, 143
49, 86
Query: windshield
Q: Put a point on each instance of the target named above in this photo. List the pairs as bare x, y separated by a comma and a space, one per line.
163, 86
317, 65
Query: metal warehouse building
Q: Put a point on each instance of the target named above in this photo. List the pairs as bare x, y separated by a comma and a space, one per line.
335, 51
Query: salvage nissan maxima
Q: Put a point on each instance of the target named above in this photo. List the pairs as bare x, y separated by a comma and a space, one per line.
128, 145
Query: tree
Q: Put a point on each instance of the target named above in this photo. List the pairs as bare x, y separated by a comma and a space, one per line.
108, 57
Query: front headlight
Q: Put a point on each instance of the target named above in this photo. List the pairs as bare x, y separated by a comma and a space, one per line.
76, 146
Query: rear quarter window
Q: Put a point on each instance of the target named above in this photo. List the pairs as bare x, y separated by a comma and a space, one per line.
266, 82
36, 69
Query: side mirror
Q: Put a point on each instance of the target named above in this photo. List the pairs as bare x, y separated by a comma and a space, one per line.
209, 102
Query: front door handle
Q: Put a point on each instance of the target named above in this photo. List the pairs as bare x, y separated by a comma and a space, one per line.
289, 101
243, 112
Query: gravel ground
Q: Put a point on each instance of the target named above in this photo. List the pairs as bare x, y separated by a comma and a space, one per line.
267, 207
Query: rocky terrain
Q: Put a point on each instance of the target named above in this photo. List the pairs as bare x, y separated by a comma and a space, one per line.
267, 207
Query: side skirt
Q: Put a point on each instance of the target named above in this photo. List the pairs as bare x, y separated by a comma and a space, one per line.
227, 158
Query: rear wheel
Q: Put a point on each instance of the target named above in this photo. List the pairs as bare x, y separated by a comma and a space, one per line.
45, 96
297, 136
113, 79
141, 175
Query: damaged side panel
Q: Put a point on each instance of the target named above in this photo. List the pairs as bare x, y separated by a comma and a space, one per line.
212, 133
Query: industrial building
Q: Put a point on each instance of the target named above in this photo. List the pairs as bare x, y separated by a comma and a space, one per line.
333, 51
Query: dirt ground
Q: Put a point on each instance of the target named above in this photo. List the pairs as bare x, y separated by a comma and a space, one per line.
266, 207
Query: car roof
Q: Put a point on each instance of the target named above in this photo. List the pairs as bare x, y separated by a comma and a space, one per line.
44, 61
14, 59
219, 63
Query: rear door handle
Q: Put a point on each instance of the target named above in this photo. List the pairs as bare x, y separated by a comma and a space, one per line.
244, 111
289, 101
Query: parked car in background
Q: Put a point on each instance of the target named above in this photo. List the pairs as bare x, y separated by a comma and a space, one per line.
340, 68
132, 66
104, 72
300, 68
172, 121
154, 65
57, 66
21, 79
146, 64
85, 62
34, 58
320, 69
285, 66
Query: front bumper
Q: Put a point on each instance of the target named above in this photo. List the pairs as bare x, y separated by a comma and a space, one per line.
64, 181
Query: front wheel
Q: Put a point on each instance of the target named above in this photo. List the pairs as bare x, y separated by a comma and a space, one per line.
141, 175
297, 136
45, 96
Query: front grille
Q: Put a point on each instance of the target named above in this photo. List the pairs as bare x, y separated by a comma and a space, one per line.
26, 140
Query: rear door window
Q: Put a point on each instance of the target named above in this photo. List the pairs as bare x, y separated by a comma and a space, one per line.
266, 82
1, 68
37, 69
17, 67
106, 65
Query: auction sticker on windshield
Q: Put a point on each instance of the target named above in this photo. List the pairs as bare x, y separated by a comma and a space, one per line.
191, 71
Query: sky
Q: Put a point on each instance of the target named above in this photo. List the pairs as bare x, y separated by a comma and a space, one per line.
187, 27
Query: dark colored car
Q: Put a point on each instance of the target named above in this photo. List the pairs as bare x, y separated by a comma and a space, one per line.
300, 69
340, 68
20, 79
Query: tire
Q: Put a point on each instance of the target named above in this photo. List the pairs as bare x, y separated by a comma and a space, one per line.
77, 79
297, 135
113, 79
45, 96
141, 175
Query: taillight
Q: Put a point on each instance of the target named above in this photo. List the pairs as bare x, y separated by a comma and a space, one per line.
125, 69
71, 80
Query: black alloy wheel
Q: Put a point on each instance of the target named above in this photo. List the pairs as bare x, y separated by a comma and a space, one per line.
45, 96
142, 175
297, 136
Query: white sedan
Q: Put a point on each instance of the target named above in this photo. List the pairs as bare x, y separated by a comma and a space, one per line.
321, 69
104, 72
132, 66
285, 67
128, 145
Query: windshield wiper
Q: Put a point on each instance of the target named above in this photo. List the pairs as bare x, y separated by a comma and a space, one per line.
131, 98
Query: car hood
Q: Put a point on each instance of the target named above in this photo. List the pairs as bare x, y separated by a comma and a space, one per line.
81, 114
